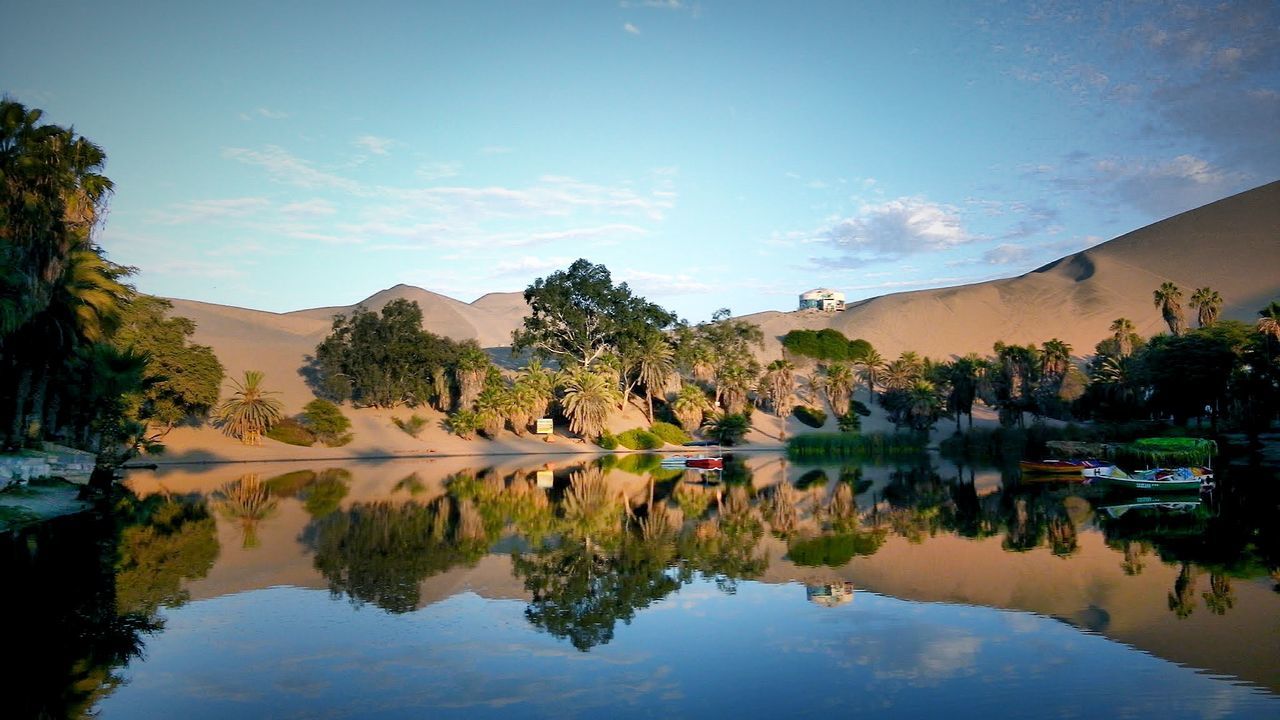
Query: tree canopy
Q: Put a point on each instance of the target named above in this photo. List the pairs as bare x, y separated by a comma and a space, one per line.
578, 314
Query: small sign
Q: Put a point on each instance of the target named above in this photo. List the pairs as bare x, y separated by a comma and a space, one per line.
546, 478
545, 426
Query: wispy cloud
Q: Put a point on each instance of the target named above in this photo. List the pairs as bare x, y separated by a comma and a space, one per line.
283, 167
631, 29
265, 113
439, 170
374, 144
205, 210
309, 208
651, 284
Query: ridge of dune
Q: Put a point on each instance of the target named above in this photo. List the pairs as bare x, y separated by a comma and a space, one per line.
1229, 245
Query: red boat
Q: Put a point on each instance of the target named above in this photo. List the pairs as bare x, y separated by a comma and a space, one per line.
1060, 467
705, 463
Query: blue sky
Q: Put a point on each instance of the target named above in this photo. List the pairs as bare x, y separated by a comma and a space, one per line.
712, 154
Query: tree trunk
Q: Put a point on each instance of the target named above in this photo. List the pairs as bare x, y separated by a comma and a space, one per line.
20, 406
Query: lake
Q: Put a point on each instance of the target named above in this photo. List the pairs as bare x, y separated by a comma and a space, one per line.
545, 587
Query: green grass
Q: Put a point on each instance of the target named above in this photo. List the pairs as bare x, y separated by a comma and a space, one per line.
669, 433
824, 446
639, 439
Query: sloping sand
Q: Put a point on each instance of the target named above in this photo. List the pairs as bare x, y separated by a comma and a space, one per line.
1231, 245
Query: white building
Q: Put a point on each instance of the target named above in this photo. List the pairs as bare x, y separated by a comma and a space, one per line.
822, 299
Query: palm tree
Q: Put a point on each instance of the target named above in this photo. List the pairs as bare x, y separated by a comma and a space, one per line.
1122, 331
869, 367
733, 383
469, 372
923, 410
1055, 358
690, 406
541, 384
1169, 299
1208, 303
249, 412
1269, 320
776, 385
655, 362
964, 387
839, 387
587, 399
899, 374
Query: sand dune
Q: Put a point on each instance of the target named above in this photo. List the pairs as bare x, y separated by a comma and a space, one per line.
1230, 245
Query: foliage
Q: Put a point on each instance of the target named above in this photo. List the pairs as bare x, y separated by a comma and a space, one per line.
465, 424
413, 425
182, 379
249, 411
327, 422
291, 432
819, 446
814, 478
578, 314
727, 428
812, 417
607, 440
587, 398
858, 407
669, 433
826, 344
850, 422
383, 360
639, 439
833, 550
690, 406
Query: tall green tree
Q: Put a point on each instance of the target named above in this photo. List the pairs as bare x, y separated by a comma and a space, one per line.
1122, 332
1169, 299
655, 366
1207, 303
578, 314
587, 399
250, 411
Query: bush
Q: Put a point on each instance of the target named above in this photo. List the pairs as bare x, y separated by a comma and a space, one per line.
670, 434
826, 344
292, 432
728, 429
326, 421
849, 422
413, 425
607, 440
639, 439
833, 550
810, 416
860, 408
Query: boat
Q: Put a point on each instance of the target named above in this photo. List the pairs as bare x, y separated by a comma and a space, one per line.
1180, 479
699, 462
1059, 467
1163, 504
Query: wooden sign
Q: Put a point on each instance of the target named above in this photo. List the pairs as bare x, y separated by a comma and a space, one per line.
545, 426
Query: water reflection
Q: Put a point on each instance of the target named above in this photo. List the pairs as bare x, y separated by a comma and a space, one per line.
588, 549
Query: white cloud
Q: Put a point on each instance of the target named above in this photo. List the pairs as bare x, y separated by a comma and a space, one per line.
204, 210
283, 167
632, 29
439, 170
896, 228
310, 208
530, 266
1006, 254
1164, 188
650, 284
374, 144
271, 114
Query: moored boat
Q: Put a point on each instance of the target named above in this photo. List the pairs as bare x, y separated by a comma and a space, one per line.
1181, 479
1059, 467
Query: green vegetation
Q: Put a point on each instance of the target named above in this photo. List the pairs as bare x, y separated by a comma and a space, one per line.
386, 360
291, 432
413, 425
639, 439
812, 417
826, 344
607, 440
728, 429
249, 412
833, 550
849, 422
670, 434
820, 446
326, 421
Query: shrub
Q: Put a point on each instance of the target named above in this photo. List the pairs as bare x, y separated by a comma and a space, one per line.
860, 408
833, 550
810, 416
326, 421
292, 432
827, 344
849, 422
728, 429
413, 425
671, 434
820, 446
639, 439
463, 423
607, 440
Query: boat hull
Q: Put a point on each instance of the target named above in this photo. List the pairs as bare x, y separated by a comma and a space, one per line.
1059, 467
1160, 480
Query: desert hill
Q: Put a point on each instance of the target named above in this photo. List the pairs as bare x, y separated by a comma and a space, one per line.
1231, 245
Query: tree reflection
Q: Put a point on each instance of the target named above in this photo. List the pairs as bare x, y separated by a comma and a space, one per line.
247, 502
1182, 599
90, 587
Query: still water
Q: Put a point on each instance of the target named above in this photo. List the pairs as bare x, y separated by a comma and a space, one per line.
452, 588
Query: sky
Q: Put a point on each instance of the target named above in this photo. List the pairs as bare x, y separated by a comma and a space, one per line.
289, 155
